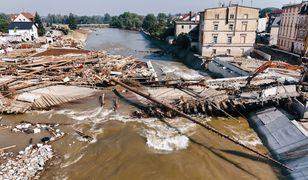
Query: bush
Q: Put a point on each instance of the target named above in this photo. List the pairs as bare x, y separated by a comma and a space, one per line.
183, 41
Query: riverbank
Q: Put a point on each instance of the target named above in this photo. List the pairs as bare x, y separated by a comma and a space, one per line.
187, 57
79, 34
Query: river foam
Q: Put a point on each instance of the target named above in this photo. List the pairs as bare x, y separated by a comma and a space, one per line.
159, 135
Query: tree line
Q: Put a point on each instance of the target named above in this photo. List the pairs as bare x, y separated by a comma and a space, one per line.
160, 26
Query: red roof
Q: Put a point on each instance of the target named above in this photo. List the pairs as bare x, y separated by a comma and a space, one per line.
26, 14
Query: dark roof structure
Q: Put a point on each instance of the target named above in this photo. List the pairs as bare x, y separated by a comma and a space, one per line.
21, 25
276, 22
304, 9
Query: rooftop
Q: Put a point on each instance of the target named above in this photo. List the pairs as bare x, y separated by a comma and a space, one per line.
21, 25
233, 5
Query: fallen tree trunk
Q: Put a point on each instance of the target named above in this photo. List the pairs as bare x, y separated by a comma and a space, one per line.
169, 107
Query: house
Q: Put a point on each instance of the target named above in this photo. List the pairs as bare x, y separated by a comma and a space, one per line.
27, 30
288, 27
274, 31
229, 30
188, 24
22, 17
302, 29
23, 25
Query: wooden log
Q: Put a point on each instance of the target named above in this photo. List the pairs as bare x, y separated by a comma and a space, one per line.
7, 148
205, 125
102, 100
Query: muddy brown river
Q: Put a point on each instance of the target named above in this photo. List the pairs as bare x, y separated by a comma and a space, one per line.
128, 148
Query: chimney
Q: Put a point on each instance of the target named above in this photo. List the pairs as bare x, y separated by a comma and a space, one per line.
190, 15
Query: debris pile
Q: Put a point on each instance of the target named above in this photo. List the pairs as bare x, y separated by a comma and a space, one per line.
31, 128
27, 164
68, 43
63, 67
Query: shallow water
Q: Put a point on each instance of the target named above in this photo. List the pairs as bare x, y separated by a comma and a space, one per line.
128, 148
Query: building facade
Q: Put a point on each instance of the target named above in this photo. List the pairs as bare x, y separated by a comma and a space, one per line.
184, 27
302, 29
228, 30
27, 30
262, 24
274, 31
23, 25
288, 27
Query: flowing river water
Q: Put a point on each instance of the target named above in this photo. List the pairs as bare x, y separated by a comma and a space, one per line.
127, 148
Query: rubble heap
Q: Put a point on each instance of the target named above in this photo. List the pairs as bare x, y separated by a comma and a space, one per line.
27, 164
86, 69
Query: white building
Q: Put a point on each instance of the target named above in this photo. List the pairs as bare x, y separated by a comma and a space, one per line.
262, 24
27, 30
274, 32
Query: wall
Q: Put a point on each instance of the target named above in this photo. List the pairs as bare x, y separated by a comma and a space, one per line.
242, 27
274, 36
301, 33
184, 27
26, 34
225, 69
263, 54
287, 30
262, 24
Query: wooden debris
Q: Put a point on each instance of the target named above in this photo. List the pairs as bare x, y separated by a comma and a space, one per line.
7, 148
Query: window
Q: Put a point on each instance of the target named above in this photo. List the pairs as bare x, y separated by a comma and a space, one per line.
243, 38
228, 51
231, 27
216, 16
231, 16
182, 26
245, 16
229, 40
215, 27
215, 39
244, 26
189, 26
213, 52
243, 51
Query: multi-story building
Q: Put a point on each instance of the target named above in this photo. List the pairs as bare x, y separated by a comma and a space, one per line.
228, 30
302, 29
288, 27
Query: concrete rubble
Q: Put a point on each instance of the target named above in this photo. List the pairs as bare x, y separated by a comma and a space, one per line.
27, 164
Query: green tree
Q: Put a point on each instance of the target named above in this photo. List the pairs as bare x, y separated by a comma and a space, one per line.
72, 24
4, 23
107, 18
183, 41
127, 20
150, 23
38, 21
